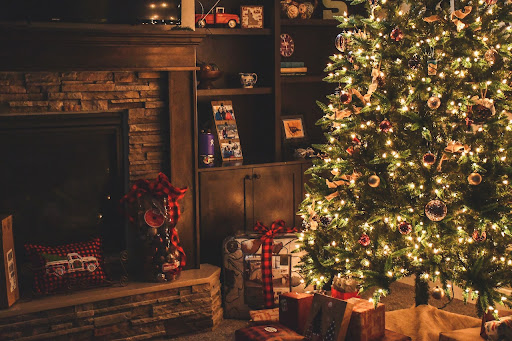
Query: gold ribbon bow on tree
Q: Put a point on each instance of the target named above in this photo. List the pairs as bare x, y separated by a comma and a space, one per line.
455, 16
345, 181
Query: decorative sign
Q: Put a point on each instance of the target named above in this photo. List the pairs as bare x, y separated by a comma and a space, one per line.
227, 131
251, 16
333, 7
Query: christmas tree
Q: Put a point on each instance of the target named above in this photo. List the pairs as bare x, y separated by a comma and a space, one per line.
414, 176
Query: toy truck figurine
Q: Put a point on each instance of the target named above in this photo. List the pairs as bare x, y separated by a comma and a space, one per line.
219, 18
73, 263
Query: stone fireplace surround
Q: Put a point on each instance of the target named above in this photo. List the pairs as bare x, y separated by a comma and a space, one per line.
148, 73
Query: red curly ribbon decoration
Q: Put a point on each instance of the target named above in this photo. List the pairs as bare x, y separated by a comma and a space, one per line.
160, 188
267, 238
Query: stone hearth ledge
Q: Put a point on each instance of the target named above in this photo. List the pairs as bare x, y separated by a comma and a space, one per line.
206, 274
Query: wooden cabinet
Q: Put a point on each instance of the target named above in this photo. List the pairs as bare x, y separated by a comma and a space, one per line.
235, 199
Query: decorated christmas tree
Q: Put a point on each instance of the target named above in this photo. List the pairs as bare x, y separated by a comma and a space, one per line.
414, 176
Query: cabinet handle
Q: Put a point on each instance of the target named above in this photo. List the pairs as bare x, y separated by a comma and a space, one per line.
247, 177
256, 176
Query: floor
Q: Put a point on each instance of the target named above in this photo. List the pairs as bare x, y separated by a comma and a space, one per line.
401, 297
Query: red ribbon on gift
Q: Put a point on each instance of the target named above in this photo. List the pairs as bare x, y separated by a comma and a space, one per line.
160, 188
267, 238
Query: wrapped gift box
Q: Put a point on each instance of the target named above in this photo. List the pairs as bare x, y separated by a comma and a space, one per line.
272, 332
243, 286
294, 309
264, 316
367, 322
328, 319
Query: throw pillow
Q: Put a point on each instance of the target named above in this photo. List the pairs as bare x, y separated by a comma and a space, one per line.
65, 267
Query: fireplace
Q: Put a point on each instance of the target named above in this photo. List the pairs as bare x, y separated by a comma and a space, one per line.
65, 176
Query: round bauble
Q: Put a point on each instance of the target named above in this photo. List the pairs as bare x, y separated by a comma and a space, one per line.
479, 113
405, 227
385, 126
374, 181
154, 218
437, 293
436, 210
434, 102
429, 159
364, 240
325, 220
341, 42
396, 34
160, 277
479, 236
491, 56
414, 62
474, 179
345, 97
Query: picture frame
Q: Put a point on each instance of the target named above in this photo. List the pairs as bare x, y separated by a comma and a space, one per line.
251, 16
227, 130
293, 128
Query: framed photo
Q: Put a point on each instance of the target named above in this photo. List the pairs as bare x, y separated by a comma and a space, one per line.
251, 16
293, 128
227, 131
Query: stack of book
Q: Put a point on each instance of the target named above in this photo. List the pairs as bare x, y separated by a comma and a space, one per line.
293, 69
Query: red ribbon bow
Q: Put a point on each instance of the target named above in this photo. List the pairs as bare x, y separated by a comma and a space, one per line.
267, 238
159, 188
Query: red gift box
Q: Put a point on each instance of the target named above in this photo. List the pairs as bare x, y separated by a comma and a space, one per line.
367, 322
273, 332
294, 310
343, 295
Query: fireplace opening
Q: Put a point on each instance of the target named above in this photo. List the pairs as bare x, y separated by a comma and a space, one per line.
61, 177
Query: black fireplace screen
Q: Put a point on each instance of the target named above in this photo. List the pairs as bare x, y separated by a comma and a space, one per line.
61, 177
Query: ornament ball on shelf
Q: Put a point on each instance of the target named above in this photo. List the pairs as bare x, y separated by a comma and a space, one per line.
429, 159
436, 210
434, 102
405, 227
374, 181
474, 179
364, 240
385, 126
437, 293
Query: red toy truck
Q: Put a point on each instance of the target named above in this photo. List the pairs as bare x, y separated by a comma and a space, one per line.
219, 18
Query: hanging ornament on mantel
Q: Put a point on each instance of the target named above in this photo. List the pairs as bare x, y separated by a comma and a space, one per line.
436, 210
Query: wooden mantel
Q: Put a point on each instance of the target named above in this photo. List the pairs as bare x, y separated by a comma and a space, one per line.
66, 47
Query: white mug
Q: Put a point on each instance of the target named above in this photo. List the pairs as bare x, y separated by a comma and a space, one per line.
248, 79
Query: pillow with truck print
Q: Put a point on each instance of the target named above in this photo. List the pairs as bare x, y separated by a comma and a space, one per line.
66, 267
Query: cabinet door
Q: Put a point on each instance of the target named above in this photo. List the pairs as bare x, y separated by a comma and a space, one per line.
223, 209
277, 193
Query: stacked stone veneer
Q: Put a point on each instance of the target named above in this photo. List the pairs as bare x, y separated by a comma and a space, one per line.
144, 95
137, 317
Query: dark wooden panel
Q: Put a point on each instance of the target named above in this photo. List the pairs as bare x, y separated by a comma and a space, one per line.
277, 193
224, 197
182, 142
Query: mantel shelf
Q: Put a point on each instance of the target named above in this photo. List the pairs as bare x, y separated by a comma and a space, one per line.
234, 91
309, 22
234, 31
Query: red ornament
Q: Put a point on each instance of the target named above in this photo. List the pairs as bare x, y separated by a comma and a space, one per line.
405, 227
356, 145
479, 237
491, 2
364, 240
396, 34
153, 218
385, 126
429, 159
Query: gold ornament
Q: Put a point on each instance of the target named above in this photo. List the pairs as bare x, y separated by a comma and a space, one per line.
491, 56
374, 181
437, 293
436, 210
434, 102
474, 179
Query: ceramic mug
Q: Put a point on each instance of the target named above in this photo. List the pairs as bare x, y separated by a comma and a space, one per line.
248, 79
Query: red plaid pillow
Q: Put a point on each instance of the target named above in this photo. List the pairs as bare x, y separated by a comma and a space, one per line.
68, 266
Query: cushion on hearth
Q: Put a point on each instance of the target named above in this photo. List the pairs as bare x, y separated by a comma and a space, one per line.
66, 267
425, 322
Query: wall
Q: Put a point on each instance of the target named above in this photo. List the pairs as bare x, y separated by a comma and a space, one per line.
187, 13
142, 94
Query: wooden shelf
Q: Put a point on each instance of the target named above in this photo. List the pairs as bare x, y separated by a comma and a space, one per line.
309, 22
235, 31
234, 92
302, 79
